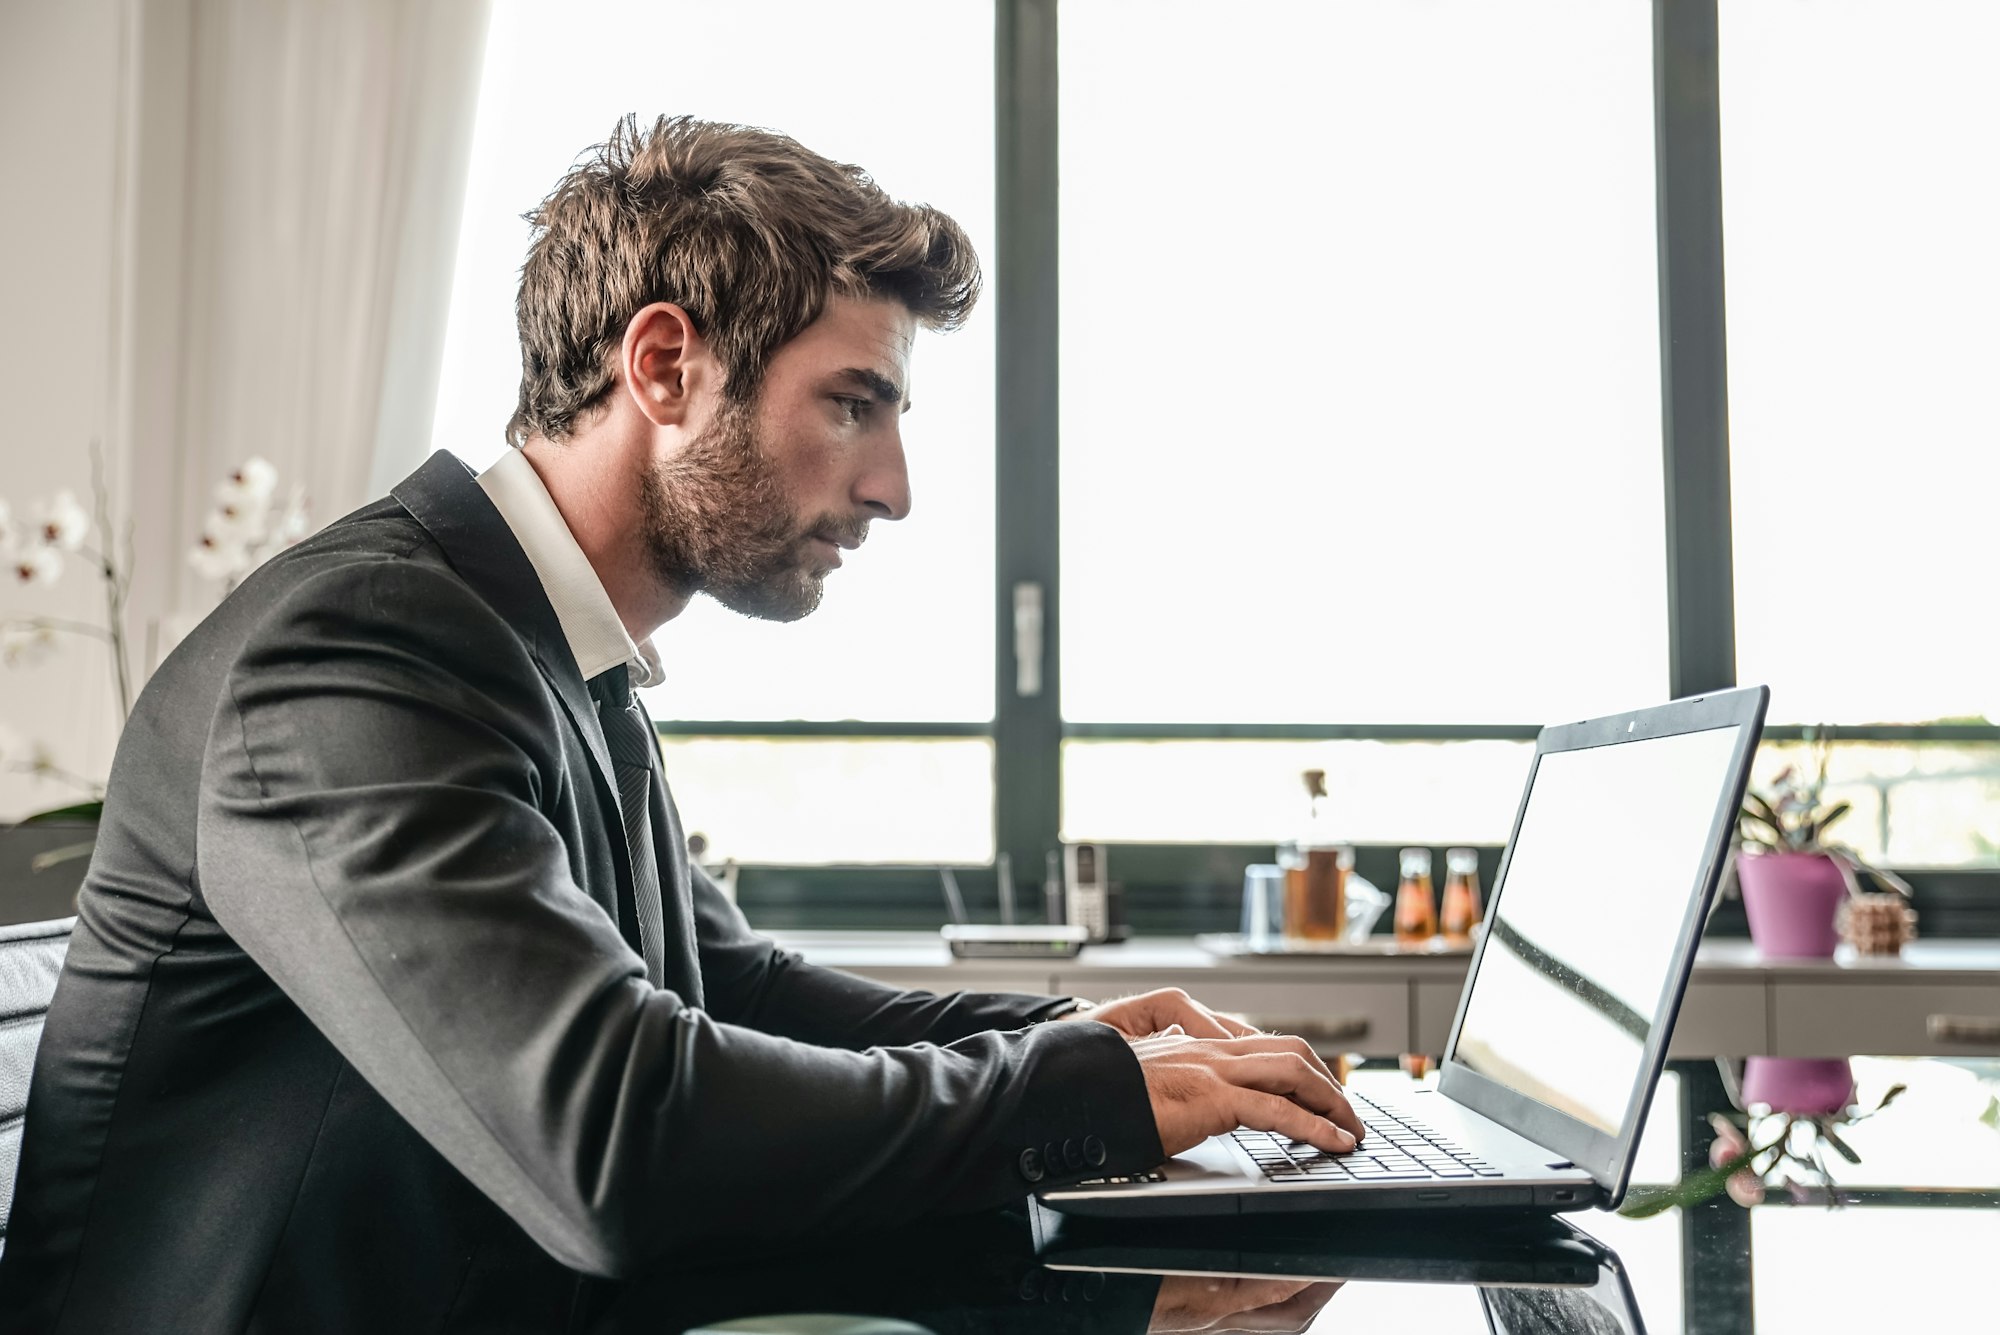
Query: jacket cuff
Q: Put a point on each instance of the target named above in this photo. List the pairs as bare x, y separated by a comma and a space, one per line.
1061, 1008
1087, 1113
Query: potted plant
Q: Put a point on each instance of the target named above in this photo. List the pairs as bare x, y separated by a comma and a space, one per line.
1794, 878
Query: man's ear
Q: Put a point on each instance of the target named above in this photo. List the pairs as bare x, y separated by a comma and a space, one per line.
665, 364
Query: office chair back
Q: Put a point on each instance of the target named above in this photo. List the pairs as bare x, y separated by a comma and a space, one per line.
31, 956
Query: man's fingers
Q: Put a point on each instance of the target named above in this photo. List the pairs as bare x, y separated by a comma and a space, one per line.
1237, 1026
1257, 1041
1275, 1113
1288, 1065
1313, 1057
1293, 1314
1173, 1006
1286, 1074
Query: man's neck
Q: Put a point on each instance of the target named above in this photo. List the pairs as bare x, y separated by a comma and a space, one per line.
595, 485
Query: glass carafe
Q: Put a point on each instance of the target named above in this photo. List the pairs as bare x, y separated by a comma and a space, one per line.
1316, 866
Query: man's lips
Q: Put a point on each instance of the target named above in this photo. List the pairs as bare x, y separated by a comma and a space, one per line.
847, 541
832, 548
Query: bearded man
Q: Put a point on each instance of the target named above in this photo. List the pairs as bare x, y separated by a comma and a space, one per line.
394, 1001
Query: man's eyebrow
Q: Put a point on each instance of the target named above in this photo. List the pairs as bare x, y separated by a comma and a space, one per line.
881, 386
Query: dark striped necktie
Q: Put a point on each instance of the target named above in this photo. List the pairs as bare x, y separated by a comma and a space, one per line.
635, 762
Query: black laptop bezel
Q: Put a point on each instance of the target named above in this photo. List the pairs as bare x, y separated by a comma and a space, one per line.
1529, 1249
1608, 1158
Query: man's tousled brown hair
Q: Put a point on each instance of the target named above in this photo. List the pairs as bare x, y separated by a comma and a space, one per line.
748, 231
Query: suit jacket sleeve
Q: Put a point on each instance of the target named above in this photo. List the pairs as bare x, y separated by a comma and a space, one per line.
749, 980
371, 832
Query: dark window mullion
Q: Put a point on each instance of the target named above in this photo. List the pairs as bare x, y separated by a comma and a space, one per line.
1027, 729
1694, 374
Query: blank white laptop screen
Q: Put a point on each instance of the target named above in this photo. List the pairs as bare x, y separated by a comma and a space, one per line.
1581, 940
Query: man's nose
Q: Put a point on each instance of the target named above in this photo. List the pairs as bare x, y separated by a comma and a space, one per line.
883, 490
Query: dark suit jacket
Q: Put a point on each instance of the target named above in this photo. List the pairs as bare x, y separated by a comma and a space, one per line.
354, 1036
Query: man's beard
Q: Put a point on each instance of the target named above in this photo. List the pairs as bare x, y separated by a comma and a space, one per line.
717, 523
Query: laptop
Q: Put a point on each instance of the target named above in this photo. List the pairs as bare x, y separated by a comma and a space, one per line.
1618, 845
1540, 1276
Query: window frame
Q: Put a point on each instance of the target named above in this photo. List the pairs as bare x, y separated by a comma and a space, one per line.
1028, 730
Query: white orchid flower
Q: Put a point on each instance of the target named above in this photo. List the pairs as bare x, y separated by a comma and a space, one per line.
237, 514
253, 479
37, 565
248, 526
218, 557
61, 523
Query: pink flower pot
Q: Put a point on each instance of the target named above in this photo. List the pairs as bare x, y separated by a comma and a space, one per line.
1791, 900
1807, 1086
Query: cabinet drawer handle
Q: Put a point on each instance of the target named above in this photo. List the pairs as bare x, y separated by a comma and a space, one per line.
1982, 1029
1340, 1029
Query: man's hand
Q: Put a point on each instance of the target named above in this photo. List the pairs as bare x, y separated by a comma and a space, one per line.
1202, 1087
1152, 1013
1188, 1304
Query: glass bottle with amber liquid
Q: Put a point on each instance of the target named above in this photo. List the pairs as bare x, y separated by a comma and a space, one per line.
1316, 866
1416, 904
1462, 911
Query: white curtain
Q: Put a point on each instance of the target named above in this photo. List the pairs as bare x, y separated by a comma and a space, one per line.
325, 165
239, 240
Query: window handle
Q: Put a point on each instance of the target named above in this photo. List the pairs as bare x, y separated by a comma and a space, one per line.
1027, 638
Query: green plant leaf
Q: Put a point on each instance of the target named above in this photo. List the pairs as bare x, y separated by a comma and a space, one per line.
1750, 818
1840, 1147
1758, 808
56, 856
91, 810
1690, 1190
1816, 831
1761, 807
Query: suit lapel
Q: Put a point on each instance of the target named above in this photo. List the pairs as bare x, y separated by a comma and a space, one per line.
683, 956
445, 498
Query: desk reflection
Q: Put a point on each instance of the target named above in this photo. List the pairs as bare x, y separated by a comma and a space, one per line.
1004, 1273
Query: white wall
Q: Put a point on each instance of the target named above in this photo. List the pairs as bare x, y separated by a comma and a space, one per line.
226, 228
62, 112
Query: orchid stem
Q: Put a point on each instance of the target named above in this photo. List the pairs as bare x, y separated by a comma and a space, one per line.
57, 623
114, 586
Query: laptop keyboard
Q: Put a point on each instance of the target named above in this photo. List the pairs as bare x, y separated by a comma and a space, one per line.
1397, 1148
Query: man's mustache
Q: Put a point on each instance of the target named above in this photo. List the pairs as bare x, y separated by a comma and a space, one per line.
848, 533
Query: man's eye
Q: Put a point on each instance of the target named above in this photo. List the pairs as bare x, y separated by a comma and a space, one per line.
855, 409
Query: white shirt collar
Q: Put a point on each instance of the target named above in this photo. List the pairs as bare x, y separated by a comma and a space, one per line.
597, 638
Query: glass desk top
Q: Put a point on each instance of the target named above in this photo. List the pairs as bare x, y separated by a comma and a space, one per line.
1916, 1237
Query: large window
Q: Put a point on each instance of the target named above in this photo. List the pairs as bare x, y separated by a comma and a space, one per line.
1329, 425
1360, 363
906, 90
1360, 397
1860, 211
1861, 207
